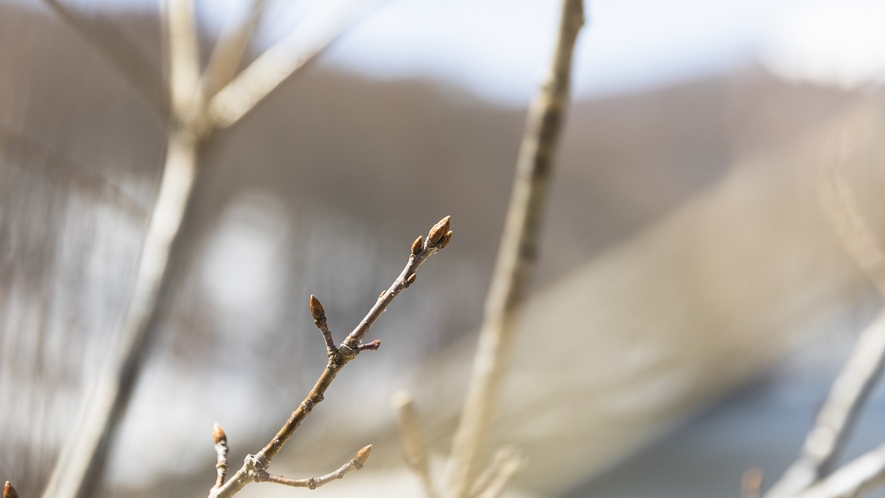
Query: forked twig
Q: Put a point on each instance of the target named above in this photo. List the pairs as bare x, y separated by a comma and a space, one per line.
254, 468
517, 254
853, 479
277, 63
863, 369
229, 51
83, 457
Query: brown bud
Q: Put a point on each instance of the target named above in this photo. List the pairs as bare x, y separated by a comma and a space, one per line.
411, 279
218, 434
418, 245
363, 455
9, 491
316, 309
445, 240
439, 230
382, 293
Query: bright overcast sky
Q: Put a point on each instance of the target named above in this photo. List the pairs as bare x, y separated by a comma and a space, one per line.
498, 48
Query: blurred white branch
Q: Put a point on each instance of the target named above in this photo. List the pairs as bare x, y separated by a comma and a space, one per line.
229, 51
78, 470
860, 373
854, 479
278, 62
517, 255
414, 449
838, 413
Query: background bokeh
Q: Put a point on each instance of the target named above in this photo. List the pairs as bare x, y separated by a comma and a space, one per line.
692, 302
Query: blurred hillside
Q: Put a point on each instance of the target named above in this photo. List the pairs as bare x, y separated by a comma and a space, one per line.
320, 190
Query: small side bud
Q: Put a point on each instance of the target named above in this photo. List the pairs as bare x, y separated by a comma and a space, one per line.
10, 492
218, 434
411, 279
363, 455
418, 245
382, 293
445, 240
439, 230
316, 309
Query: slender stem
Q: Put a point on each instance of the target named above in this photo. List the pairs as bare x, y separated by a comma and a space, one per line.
278, 62
352, 465
437, 239
229, 51
83, 458
516, 255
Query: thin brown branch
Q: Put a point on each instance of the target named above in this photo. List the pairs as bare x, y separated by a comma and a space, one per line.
278, 63
9, 491
221, 449
414, 450
437, 239
853, 479
517, 254
352, 465
229, 51
493, 481
119, 52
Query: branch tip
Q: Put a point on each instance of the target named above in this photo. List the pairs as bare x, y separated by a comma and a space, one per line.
10, 492
363, 455
439, 230
218, 434
418, 245
316, 309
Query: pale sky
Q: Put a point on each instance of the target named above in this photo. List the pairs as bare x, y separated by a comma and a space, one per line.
498, 49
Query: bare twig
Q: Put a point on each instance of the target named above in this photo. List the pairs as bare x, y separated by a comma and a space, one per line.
184, 59
352, 465
123, 56
516, 254
492, 483
862, 370
854, 479
278, 62
229, 51
838, 413
414, 449
9, 491
83, 457
254, 466
221, 449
